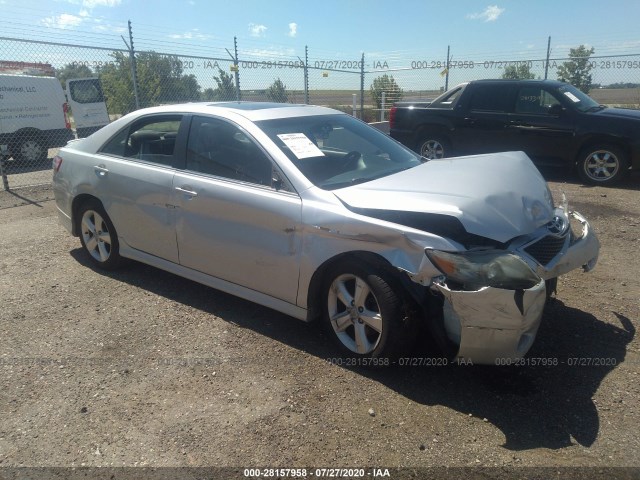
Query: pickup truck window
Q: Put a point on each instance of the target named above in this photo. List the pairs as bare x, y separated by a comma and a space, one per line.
534, 100
448, 99
490, 98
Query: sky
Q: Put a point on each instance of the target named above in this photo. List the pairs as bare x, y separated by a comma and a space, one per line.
396, 34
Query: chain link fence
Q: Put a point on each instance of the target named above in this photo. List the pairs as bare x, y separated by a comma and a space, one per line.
53, 92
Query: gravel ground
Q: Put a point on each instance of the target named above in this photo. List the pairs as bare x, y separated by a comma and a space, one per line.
143, 368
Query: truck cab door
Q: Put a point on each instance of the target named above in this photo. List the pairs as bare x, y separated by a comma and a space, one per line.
482, 119
88, 106
540, 126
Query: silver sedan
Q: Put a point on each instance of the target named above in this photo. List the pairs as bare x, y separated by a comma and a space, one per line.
314, 213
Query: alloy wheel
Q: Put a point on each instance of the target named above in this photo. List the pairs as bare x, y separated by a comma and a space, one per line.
354, 313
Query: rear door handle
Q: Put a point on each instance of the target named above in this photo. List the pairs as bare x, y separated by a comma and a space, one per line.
524, 126
187, 190
101, 170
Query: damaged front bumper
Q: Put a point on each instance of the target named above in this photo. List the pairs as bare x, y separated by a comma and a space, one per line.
490, 325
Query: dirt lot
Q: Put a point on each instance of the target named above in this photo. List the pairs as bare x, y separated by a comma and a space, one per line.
143, 368
617, 96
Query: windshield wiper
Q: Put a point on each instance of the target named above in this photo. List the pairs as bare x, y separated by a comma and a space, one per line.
596, 108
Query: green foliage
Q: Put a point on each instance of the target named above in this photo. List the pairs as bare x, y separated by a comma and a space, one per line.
208, 95
73, 70
160, 81
385, 83
577, 71
277, 92
226, 89
518, 72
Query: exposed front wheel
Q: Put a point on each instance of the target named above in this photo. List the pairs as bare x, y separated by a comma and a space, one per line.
602, 165
98, 236
365, 314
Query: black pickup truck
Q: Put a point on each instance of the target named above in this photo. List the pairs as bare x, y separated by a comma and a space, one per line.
552, 122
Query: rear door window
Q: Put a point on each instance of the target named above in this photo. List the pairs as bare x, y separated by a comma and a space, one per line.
491, 98
86, 91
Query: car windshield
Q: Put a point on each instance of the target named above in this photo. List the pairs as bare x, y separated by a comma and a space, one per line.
335, 151
580, 101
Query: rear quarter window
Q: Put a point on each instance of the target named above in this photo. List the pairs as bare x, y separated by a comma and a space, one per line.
149, 139
449, 99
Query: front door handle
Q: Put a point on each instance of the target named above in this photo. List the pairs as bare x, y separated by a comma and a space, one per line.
187, 190
101, 170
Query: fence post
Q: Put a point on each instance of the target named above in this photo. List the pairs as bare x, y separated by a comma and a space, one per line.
5, 180
237, 70
383, 106
362, 87
306, 74
446, 81
546, 64
134, 68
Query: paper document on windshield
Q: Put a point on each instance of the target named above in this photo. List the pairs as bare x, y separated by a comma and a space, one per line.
300, 145
572, 97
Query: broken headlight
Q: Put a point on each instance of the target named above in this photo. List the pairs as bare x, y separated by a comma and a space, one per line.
474, 270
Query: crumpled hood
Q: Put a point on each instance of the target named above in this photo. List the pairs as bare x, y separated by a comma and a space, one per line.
498, 196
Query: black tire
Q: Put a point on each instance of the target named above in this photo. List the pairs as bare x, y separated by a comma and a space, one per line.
433, 146
551, 288
30, 149
602, 164
98, 236
376, 325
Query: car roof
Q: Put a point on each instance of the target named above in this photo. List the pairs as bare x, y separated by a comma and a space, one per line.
254, 111
523, 81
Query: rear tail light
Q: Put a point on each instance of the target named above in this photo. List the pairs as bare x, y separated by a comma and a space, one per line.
392, 117
65, 109
57, 163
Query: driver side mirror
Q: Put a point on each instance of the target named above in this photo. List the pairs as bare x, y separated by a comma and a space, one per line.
276, 181
556, 110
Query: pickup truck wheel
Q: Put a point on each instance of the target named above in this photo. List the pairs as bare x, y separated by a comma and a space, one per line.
433, 147
31, 150
602, 165
365, 314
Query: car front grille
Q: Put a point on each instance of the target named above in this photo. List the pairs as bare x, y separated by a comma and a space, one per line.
545, 249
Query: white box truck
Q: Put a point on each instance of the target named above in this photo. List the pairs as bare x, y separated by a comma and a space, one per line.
33, 117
